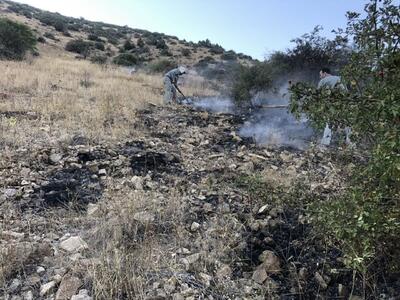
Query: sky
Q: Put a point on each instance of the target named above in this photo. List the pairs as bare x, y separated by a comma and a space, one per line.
253, 27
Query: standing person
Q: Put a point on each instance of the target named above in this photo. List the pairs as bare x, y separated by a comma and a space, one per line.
171, 83
331, 81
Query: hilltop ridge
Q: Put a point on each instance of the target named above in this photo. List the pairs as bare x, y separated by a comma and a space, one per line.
110, 41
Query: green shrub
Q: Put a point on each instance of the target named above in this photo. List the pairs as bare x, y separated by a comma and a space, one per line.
365, 222
165, 52
93, 37
99, 59
99, 46
50, 36
113, 41
140, 43
249, 80
60, 26
229, 55
186, 52
79, 46
15, 39
74, 27
126, 59
161, 66
41, 40
128, 45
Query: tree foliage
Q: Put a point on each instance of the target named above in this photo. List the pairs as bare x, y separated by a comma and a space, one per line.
366, 221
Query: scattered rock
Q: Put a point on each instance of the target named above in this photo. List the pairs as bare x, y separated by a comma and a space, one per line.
195, 226
12, 235
68, 287
15, 286
224, 271
74, 244
102, 172
10, 193
40, 270
321, 281
83, 295
270, 262
137, 182
93, 210
263, 209
28, 295
47, 288
260, 275
55, 158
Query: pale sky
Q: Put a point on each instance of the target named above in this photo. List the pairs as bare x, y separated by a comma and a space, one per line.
253, 27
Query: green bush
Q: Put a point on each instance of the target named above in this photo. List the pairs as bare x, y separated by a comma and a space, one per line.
140, 43
41, 40
128, 45
99, 46
229, 55
74, 27
161, 66
165, 52
99, 59
15, 39
93, 37
113, 41
79, 46
50, 36
249, 80
126, 59
365, 222
186, 52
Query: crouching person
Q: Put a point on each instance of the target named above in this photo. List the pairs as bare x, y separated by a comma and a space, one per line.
171, 84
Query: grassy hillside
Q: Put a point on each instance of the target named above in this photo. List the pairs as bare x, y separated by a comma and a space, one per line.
109, 41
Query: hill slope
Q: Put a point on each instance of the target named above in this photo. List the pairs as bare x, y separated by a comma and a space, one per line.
109, 40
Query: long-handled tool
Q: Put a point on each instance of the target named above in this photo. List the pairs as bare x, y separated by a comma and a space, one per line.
176, 86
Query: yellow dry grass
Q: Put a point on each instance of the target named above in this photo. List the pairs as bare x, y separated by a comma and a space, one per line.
67, 97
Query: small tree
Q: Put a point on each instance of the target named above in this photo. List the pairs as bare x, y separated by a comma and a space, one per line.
15, 39
365, 221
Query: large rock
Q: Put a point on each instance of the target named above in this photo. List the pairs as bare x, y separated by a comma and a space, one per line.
69, 287
74, 244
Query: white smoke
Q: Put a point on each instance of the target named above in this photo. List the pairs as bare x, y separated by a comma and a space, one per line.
268, 125
215, 105
276, 126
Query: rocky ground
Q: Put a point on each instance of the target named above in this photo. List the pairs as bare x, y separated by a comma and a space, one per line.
189, 210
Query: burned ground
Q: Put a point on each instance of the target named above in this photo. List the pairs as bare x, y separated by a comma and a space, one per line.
212, 202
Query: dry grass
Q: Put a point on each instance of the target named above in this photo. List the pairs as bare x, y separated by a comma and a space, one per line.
133, 252
72, 97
